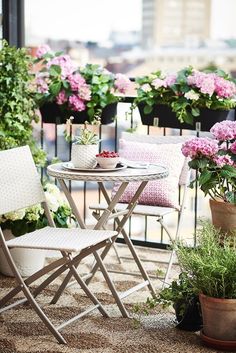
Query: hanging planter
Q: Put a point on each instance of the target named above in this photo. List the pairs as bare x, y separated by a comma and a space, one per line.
167, 118
51, 113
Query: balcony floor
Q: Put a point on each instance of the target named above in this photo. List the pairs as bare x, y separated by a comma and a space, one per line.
21, 331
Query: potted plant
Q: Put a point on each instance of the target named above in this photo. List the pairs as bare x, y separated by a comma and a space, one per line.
27, 220
211, 268
214, 161
87, 93
184, 298
189, 96
17, 106
84, 146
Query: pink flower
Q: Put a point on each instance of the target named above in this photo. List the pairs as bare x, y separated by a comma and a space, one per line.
207, 85
85, 92
76, 81
157, 83
233, 147
76, 103
122, 83
66, 64
200, 146
224, 88
61, 98
225, 130
223, 160
42, 86
170, 80
42, 50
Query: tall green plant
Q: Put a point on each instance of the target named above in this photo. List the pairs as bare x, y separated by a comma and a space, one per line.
211, 266
17, 106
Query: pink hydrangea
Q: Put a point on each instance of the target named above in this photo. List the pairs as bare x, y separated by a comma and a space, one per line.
233, 147
225, 130
76, 81
61, 98
158, 82
224, 88
42, 50
42, 86
66, 64
85, 92
76, 103
223, 160
200, 146
170, 80
122, 83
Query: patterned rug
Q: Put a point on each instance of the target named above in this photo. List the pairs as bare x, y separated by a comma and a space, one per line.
22, 331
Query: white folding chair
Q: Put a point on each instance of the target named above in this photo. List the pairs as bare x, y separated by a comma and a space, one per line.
159, 212
20, 187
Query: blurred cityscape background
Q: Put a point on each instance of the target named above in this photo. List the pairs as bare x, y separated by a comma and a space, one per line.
137, 36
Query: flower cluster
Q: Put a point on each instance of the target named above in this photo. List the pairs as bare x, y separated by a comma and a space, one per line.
89, 88
187, 91
215, 161
28, 219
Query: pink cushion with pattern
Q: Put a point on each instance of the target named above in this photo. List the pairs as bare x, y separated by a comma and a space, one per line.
163, 192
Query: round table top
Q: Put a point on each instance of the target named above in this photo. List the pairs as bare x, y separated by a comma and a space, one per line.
153, 172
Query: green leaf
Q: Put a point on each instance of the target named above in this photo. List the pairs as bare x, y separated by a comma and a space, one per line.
55, 88
147, 109
195, 112
205, 177
55, 70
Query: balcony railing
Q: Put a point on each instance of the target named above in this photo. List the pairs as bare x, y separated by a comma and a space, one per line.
143, 230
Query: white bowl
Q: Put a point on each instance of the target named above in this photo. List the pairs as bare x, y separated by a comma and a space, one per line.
108, 162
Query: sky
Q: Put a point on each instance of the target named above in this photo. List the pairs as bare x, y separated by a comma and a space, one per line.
94, 19
81, 19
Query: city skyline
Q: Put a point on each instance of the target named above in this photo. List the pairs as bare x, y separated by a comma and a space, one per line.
93, 20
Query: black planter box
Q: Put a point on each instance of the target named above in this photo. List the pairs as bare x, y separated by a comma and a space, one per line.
167, 118
51, 113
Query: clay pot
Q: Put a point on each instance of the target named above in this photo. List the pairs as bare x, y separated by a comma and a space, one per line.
223, 215
219, 318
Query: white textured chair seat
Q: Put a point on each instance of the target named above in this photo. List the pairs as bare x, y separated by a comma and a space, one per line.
71, 240
144, 210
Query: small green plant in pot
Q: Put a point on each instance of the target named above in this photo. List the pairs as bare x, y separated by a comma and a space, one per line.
183, 297
211, 268
84, 147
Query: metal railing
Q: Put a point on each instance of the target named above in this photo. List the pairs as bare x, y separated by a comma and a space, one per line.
143, 230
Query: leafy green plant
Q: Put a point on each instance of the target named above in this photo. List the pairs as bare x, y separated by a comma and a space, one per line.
17, 106
214, 161
186, 92
89, 88
211, 266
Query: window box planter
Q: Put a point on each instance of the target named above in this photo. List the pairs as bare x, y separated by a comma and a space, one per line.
51, 113
167, 118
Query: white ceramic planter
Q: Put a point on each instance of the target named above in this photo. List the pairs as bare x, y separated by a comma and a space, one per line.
27, 261
84, 156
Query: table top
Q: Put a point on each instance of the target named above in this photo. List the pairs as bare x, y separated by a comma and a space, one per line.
153, 172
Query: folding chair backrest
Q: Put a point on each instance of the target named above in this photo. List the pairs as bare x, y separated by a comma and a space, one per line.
185, 174
20, 184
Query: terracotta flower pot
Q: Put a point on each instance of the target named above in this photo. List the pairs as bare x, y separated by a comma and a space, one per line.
219, 318
223, 215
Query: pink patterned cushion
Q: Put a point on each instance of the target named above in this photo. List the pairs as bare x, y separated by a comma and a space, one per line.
162, 192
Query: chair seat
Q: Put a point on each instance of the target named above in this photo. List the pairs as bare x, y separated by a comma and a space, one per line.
144, 210
70, 240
